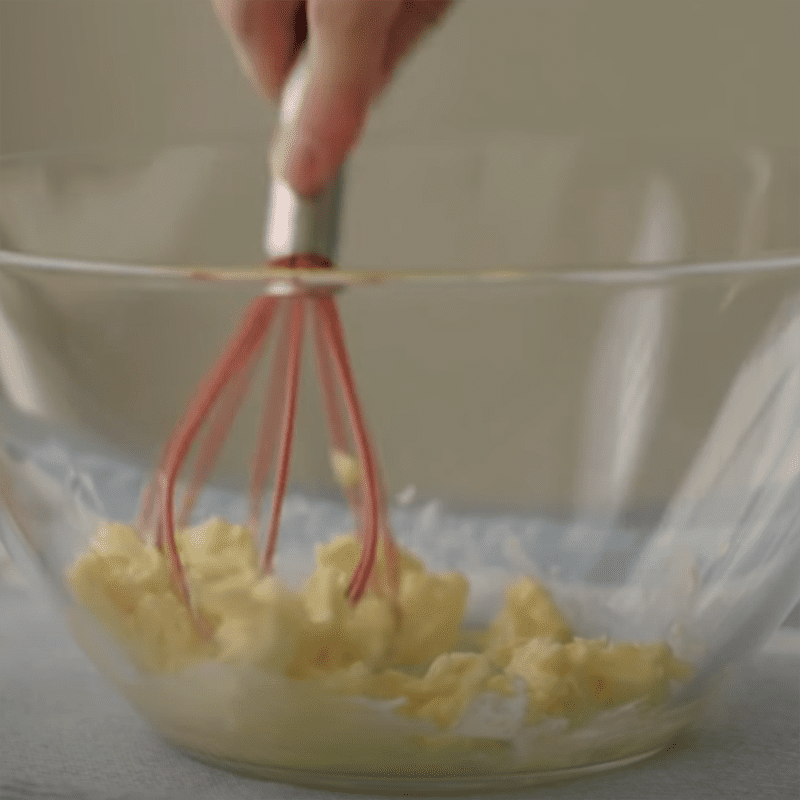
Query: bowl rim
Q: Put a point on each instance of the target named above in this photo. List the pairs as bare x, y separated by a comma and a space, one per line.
279, 282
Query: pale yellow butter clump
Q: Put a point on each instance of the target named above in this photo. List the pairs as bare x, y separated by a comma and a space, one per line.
126, 584
581, 677
382, 647
529, 613
448, 688
424, 622
265, 630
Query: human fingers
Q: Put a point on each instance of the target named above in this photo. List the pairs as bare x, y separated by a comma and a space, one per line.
346, 52
266, 37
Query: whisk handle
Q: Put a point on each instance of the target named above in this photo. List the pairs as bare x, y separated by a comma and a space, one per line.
303, 225
298, 225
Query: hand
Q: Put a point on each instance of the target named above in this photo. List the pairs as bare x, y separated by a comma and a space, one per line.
354, 47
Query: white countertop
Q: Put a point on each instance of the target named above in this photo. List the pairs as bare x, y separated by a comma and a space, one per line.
65, 735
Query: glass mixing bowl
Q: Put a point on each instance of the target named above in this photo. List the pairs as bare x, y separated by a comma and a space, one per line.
587, 373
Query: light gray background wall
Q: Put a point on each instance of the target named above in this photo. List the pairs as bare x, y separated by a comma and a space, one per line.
83, 70
122, 71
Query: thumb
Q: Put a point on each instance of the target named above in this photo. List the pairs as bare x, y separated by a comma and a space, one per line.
346, 51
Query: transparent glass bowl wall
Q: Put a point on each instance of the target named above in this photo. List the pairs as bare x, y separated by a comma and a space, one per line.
589, 368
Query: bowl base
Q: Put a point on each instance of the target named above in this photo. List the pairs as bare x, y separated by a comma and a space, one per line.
409, 787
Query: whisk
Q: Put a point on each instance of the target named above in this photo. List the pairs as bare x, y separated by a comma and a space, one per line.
301, 235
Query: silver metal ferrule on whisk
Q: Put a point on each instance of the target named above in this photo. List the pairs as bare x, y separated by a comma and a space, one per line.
298, 225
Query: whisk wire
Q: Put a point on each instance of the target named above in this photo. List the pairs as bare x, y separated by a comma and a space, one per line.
271, 412
332, 332
224, 416
296, 330
256, 323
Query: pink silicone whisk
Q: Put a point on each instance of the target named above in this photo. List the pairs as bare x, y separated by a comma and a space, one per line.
301, 234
